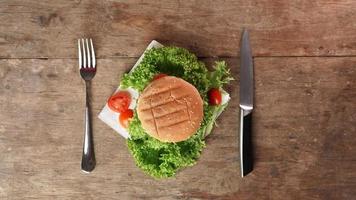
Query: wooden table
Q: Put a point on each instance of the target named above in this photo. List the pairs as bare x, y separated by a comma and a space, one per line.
305, 116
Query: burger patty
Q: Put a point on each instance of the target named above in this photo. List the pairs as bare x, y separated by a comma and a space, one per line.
170, 109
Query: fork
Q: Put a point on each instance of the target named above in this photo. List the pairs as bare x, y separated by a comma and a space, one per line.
87, 68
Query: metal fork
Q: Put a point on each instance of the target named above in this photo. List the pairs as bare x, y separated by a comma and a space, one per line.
87, 68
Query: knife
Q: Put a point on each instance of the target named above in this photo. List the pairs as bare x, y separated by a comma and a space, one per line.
246, 105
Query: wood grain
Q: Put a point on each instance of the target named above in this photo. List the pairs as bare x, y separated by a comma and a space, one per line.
304, 126
49, 29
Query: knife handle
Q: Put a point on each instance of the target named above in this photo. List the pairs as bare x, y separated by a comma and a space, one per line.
246, 156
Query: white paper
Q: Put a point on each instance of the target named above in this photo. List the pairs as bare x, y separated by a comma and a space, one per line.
111, 118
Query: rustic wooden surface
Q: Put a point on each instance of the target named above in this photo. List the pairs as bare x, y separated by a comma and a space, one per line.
304, 122
47, 29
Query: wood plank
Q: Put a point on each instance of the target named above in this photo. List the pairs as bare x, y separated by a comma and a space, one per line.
49, 29
304, 126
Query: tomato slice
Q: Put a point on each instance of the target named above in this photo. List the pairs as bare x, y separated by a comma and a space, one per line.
158, 76
125, 117
214, 95
120, 101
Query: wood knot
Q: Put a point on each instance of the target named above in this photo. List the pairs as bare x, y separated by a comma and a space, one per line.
45, 21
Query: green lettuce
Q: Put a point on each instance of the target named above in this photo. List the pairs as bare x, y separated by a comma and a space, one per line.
160, 159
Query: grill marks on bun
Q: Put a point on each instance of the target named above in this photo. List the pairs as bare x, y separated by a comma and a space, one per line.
170, 109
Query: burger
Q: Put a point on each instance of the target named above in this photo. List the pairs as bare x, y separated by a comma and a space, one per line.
168, 105
170, 109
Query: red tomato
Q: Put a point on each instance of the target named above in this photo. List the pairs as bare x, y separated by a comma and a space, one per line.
214, 95
125, 118
158, 76
120, 101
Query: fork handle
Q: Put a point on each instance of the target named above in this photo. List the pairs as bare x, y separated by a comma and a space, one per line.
88, 156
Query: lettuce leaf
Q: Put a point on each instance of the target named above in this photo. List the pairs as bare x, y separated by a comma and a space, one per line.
220, 76
156, 158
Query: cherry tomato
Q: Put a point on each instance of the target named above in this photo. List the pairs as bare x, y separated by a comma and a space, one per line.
158, 76
125, 117
214, 95
120, 101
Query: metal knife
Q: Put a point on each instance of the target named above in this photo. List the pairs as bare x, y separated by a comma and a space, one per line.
246, 105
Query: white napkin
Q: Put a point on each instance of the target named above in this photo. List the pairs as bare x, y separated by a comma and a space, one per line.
111, 118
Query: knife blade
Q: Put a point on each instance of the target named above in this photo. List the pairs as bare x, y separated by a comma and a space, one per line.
246, 105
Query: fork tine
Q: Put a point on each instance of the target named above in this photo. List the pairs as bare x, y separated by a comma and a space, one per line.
88, 52
79, 54
92, 53
84, 55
